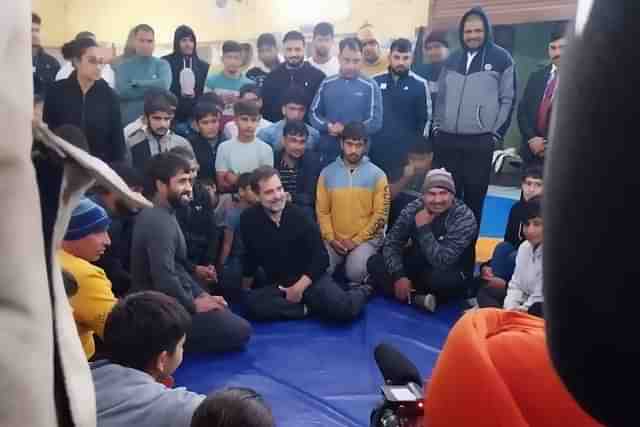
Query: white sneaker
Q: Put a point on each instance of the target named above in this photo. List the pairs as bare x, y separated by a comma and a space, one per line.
430, 302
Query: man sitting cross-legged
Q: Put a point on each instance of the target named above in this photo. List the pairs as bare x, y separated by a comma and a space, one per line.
287, 245
352, 205
159, 259
144, 337
423, 252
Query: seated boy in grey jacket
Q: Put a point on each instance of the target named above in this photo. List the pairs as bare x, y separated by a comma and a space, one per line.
144, 336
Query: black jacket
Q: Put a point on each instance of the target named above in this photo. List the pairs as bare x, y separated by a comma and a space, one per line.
45, 68
515, 225
178, 62
307, 77
310, 168
528, 111
205, 154
97, 113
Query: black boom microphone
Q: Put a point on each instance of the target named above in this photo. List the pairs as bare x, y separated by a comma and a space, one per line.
396, 369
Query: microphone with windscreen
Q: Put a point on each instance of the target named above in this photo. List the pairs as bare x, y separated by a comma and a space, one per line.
394, 366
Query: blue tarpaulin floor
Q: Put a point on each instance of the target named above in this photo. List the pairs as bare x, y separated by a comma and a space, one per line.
315, 374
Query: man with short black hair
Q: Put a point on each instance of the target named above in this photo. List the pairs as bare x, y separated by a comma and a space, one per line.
205, 141
283, 241
228, 82
299, 167
248, 92
156, 137
347, 97
534, 111
322, 59
293, 109
352, 205
423, 254
189, 72
159, 257
435, 52
268, 56
45, 66
138, 74
294, 72
144, 336
407, 109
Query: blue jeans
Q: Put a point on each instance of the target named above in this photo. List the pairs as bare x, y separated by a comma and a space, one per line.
503, 262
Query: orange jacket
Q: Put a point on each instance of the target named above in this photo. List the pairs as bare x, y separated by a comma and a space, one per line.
495, 371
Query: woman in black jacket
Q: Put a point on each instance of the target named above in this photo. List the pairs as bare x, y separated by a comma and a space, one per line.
85, 100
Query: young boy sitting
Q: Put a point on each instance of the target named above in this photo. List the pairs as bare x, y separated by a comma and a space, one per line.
206, 120
144, 337
497, 272
406, 184
230, 263
248, 92
524, 292
233, 407
244, 153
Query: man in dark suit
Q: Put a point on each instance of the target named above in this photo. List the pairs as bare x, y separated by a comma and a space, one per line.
534, 112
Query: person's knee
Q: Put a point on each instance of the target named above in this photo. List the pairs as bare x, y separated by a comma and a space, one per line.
356, 266
239, 333
503, 250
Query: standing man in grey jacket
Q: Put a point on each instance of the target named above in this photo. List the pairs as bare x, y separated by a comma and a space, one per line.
477, 90
159, 259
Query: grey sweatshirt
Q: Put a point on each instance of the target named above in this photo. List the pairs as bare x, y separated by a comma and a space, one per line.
129, 397
159, 256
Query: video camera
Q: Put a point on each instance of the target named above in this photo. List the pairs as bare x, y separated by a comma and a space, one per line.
402, 393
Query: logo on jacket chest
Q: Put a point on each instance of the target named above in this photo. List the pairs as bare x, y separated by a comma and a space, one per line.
488, 67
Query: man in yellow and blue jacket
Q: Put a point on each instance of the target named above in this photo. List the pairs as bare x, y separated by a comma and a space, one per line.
352, 205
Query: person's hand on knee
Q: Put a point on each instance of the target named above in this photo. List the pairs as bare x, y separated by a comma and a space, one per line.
402, 289
338, 247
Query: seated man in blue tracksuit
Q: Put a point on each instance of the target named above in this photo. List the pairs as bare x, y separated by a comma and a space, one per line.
407, 110
346, 97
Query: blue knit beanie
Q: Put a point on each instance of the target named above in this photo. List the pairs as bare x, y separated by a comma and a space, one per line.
87, 218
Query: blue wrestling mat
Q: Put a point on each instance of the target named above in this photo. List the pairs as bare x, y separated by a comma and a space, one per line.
315, 374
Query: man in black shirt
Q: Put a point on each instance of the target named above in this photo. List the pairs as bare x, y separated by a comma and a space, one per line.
287, 245
45, 66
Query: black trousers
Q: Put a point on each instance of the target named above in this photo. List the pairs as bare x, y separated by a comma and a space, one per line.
324, 298
217, 332
444, 285
489, 296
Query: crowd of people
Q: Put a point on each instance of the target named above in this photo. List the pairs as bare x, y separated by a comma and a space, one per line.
291, 189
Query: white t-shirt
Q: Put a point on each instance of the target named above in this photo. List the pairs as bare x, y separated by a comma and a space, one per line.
107, 73
231, 128
240, 157
329, 68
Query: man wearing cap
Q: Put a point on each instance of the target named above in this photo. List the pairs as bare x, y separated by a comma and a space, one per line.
422, 256
435, 50
374, 62
84, 243
534, 111
477, 90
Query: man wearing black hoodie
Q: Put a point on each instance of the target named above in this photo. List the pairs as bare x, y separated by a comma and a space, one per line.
477, 90
189, 72
295, 71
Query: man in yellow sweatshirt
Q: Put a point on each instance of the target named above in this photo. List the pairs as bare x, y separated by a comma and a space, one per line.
352, 205
85, 242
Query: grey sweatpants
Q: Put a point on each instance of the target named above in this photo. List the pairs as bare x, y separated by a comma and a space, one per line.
355, 261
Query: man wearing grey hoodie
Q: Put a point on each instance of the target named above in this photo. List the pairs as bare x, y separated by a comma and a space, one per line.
144, 337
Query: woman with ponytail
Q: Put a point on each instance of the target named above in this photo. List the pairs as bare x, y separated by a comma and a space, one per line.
85, 100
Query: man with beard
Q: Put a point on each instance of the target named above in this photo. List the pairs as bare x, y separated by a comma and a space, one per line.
534, 111
45, 66
374, 62
156, 136
422, 256
347, 97
322, 59
407, 109
475, 103
268, 56
283, 241
436, 51
352, 205
189, 73
294, 72
159, 257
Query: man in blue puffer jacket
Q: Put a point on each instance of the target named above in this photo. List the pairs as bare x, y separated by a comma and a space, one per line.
344, 98
477, 90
